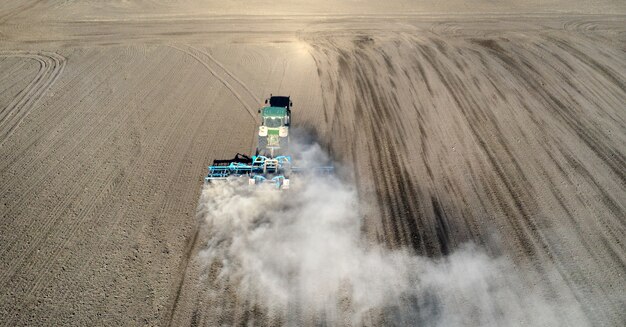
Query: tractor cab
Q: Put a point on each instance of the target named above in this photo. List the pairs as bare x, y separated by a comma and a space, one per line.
274, 117
274, 120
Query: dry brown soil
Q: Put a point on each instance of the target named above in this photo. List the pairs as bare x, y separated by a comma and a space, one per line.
505, 129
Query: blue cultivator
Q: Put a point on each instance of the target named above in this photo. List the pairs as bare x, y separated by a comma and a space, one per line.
272, 164
260, 170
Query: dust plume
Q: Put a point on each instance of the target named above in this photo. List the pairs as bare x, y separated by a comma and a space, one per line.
301, 250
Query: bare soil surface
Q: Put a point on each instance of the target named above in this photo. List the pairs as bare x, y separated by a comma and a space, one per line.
504, 127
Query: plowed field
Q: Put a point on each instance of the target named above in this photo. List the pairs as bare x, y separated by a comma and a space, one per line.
504, 131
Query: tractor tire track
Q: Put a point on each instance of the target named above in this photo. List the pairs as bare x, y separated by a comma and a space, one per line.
4, 17
476, 81
111, 184
229, 73
231, 82
51, 66
172, 144
83, 141
223, 79
45, 230
16, 153
229, 85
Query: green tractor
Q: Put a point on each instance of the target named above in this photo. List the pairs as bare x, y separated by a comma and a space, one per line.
274, 129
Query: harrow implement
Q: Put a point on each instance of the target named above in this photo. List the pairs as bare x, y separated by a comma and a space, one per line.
261, 170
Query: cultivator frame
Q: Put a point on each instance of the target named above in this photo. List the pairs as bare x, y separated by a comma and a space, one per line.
261, 170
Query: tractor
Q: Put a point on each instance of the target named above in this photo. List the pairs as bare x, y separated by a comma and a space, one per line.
272, 163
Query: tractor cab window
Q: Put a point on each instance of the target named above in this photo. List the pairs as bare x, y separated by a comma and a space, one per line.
273, 122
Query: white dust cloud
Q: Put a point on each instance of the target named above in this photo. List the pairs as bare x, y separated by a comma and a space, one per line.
303, 248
